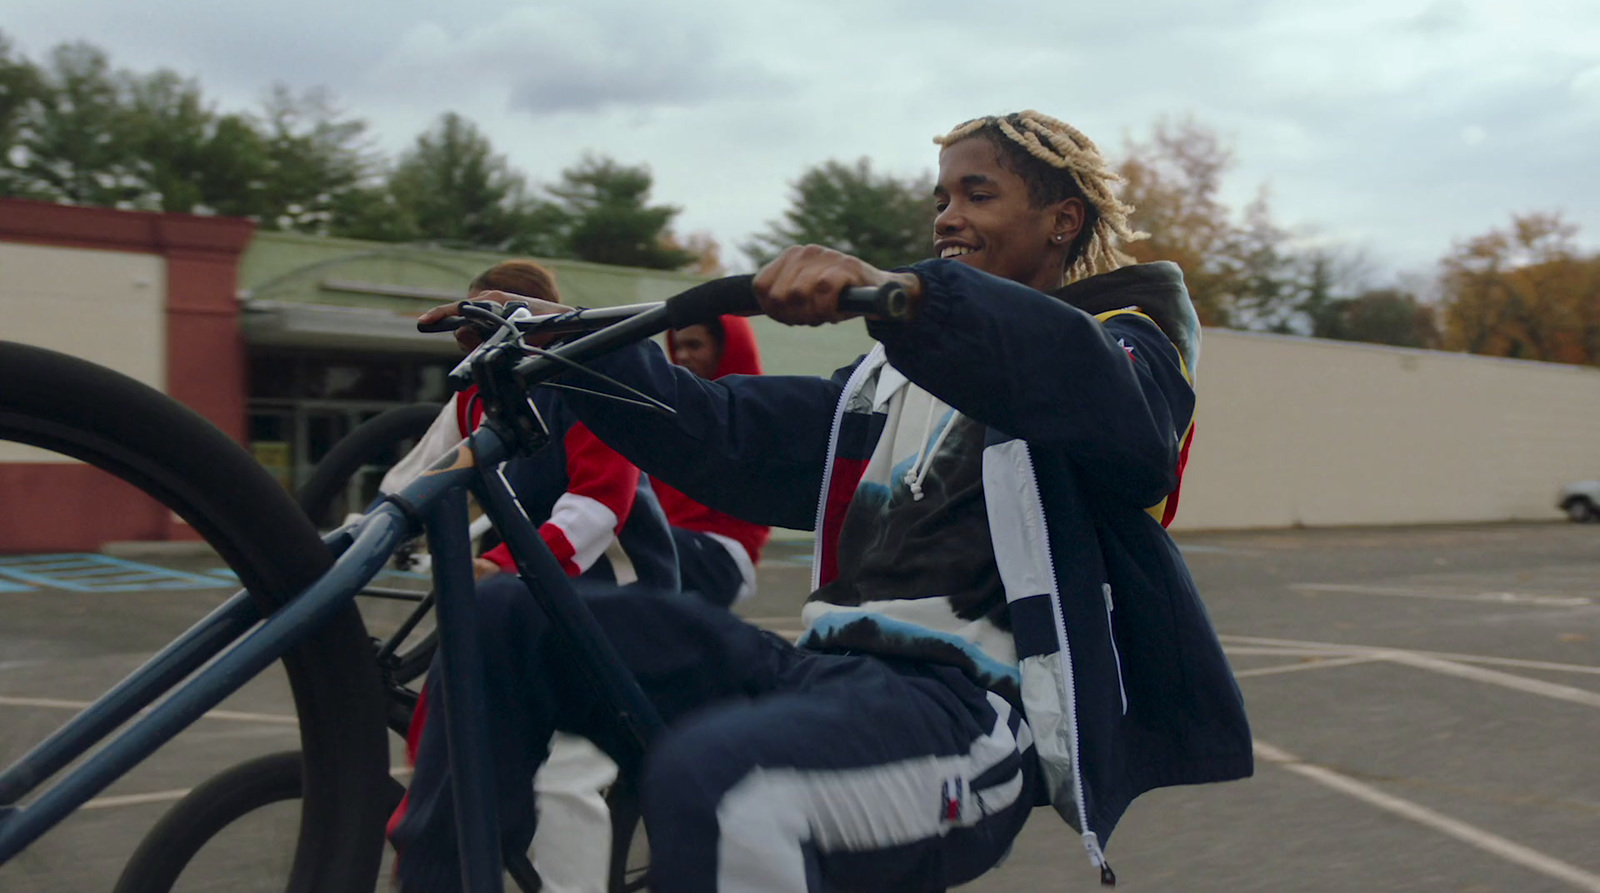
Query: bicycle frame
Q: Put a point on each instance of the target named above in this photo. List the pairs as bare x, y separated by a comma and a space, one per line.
435, 502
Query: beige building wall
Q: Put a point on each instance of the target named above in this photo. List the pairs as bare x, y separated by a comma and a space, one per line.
1297, 431
104, 306
803, 350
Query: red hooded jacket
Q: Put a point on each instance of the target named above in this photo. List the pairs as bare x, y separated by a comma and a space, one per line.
740, 356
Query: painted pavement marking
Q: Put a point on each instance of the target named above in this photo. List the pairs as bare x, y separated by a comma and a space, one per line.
176, 794
136, 799
1496, 598
1493, 677
1314, 664
1472, 835
89, 572
229, 715
1339, 648
388, 572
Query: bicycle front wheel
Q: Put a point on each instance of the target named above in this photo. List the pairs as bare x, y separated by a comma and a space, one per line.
401, 620
237, 802
136, 435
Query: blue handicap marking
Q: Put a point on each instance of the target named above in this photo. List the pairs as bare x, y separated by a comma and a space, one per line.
86, 572
223, 573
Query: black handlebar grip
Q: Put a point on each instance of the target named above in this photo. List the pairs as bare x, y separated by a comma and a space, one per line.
888, 301
447, 324
708, 300
733, 294
484, 314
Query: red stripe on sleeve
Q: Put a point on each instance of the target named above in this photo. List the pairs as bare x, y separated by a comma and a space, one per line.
600, 473
501, 555
560, 547
553, 537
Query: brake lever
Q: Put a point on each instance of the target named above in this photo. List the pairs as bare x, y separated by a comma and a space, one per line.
460, 378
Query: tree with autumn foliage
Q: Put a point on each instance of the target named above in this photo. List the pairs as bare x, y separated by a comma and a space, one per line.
1243, 268
705, 250
1174, 180
1525, 292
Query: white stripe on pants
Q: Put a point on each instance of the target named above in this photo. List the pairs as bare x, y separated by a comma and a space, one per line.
572, 843
761, 819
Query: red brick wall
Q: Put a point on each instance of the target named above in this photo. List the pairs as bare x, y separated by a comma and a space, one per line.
67, 507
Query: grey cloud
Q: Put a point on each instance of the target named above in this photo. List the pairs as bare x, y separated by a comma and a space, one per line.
236, 56
1360, 114
641, 76
1440, 18
585, 57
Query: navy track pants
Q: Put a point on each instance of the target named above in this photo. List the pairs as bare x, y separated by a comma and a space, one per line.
781, 771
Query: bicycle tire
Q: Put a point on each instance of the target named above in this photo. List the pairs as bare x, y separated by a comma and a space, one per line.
195, 820
76, 408
369, 442
364, 444
203, 813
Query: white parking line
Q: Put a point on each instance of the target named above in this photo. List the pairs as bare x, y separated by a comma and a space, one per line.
1283, 651
135, 799
231, 715
1458, 667
1493, 677
177, 794
1338, 648
1318, 664
1498, 598
1484, 840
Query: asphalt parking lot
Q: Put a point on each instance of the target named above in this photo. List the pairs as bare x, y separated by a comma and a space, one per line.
1425, 702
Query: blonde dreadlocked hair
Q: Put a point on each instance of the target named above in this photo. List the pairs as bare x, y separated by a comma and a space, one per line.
1038, 148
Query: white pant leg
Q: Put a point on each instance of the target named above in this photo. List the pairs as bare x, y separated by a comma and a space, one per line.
572, 844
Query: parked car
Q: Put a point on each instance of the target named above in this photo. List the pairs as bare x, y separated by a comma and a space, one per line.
1581, 501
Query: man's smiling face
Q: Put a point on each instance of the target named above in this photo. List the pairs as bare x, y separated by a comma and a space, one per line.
987, 220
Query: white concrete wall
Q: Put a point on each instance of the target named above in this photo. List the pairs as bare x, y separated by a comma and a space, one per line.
104, 306
1302, 431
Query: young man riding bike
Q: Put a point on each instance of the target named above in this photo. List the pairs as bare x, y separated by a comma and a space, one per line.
999, 618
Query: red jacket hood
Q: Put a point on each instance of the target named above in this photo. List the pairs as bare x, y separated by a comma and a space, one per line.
740, 355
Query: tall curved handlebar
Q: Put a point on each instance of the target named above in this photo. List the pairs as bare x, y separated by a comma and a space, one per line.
733, 294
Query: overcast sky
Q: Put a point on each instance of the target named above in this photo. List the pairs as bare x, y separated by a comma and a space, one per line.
1394, 127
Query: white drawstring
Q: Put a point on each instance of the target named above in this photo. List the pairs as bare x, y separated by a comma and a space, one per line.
919, 469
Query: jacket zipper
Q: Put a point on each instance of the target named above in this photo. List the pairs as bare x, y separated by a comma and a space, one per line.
1117, 658
1091, 841
850, 386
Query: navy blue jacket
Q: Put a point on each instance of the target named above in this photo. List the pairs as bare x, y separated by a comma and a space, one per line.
1122, 676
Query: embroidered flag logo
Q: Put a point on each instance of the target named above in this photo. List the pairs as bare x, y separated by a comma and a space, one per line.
1125, 346
952, 792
